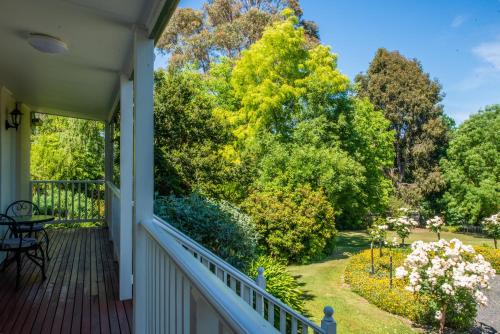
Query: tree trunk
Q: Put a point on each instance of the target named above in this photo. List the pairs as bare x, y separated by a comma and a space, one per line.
439, 235
380, 248
390, 271
495, 241
442, 321
373, 265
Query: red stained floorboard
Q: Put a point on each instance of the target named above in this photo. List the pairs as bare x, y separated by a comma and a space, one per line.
80, 294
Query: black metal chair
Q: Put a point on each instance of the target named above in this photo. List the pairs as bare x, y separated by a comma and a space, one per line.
15, 241
27, 208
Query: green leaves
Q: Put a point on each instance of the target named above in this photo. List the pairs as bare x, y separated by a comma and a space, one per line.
472, 168
68, 149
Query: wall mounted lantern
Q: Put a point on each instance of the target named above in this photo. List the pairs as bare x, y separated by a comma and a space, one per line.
15, 118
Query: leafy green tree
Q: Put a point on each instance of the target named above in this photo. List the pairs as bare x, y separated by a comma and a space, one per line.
472, 168
223, 28
411, 101
295, 122
67, 149
187, 136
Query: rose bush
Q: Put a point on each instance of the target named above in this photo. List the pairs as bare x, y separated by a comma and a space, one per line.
452, 274
435, 225
492, 227
402, 225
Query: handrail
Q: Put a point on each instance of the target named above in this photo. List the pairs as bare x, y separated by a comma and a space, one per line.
113, 188
231, 308
68, 181
234, 273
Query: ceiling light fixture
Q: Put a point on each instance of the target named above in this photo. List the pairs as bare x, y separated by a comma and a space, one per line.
47, 44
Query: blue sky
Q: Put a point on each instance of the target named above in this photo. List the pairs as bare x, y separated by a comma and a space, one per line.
457, 41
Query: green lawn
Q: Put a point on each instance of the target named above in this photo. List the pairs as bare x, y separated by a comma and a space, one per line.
323, 282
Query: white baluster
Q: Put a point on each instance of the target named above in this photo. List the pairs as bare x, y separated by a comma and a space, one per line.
261, 280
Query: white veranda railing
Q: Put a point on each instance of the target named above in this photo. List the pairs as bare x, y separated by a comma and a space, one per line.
181, 296
276, 313
70, 201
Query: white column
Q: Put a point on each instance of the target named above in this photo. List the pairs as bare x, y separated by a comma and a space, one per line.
23, 147
108, 176
126, 185
143, 168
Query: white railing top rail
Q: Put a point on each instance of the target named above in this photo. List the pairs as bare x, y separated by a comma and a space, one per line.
232, 309
193, 245
67, 181
114, 189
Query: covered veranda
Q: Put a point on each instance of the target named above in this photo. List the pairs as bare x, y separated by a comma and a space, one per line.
92, 60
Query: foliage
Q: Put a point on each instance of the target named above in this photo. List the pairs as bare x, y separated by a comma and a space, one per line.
472, 169
492, 227
296, 225
67, 149
223, 28
402, 225
410, 100
219, 226
378, 231
398, 300
187, 136
279, 282
376, 288
452, 275
435, 224
295, 121
491, 255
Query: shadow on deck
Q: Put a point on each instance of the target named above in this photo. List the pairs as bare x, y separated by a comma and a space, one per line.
80, 294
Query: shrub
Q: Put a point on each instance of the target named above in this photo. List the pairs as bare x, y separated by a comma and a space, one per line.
294, 225
452, 275
279, 282
492, 227
491, 255
219, 226
416, 307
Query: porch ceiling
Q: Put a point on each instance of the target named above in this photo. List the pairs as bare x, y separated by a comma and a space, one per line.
84, 81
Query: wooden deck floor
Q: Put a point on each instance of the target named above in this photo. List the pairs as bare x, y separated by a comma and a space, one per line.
80, 294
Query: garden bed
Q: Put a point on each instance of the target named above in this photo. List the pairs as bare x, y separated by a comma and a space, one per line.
376, 288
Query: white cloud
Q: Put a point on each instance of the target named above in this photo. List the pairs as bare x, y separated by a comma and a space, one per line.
458, 21
490, 53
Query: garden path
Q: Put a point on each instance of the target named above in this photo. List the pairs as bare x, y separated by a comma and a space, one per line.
488, 318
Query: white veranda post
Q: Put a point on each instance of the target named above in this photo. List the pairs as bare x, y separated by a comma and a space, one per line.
126, 185
143, 168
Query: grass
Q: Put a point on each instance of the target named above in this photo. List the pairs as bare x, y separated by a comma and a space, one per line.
425, 235
324, 284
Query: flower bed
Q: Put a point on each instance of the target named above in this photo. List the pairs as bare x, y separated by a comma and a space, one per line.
397, 300
376, 288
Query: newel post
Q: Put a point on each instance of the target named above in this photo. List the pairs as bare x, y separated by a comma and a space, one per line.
260, 279
328, 324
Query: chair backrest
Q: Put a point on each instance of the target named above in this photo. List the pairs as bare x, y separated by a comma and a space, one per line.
9, 222
22, 208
